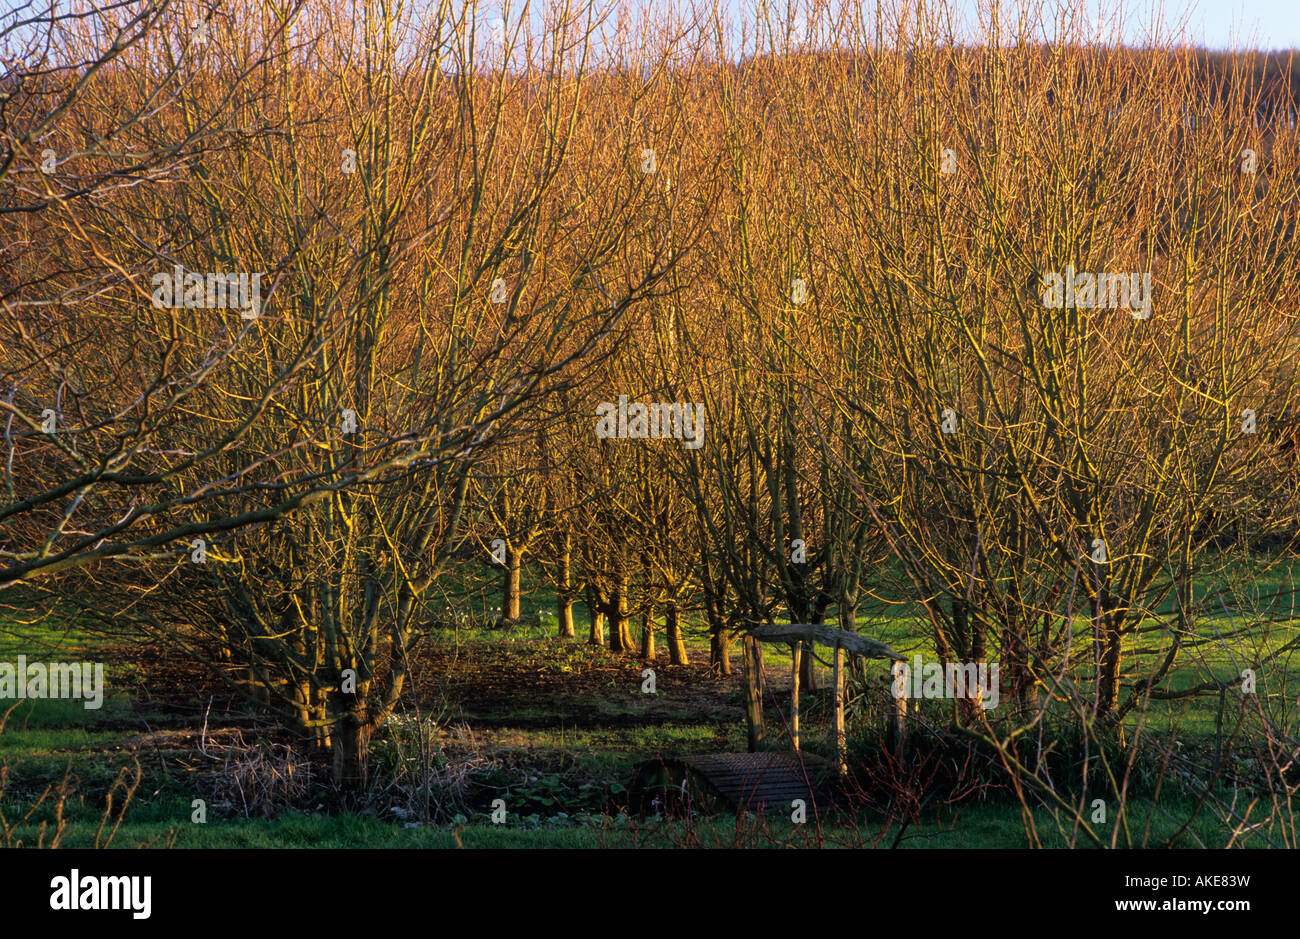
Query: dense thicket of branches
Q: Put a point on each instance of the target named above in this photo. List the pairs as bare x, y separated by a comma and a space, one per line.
839, 256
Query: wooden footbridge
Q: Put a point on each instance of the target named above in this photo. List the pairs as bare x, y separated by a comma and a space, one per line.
717, 782
765, 781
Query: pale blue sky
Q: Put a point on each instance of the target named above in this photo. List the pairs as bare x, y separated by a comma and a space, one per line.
1215, 24
1271, 24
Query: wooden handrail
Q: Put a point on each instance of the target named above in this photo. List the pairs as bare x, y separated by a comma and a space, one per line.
841, 640
829, 636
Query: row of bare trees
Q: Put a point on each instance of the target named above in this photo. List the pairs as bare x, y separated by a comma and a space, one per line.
465, 245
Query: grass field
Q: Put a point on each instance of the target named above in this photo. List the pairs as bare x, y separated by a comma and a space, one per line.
555, 728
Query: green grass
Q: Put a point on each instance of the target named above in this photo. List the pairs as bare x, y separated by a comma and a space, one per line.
982, 826
594, 738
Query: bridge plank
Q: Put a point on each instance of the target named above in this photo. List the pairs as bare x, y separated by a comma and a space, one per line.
759, 782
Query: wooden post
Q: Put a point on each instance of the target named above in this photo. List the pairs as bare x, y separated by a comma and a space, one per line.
841, 761
898, 723
753, 695
796, 650
796, 634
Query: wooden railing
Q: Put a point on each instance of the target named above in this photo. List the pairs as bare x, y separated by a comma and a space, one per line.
797, 634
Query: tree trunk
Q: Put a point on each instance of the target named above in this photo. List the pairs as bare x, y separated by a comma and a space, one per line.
676, 641
617, 631
620, 636
720, 649
1108, 686
648, 635
302, 704
625, 624
597, 637
1015, 680
808, 663
719, 641
351, 744
564, 612
510, 600
564, 596
261, 679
